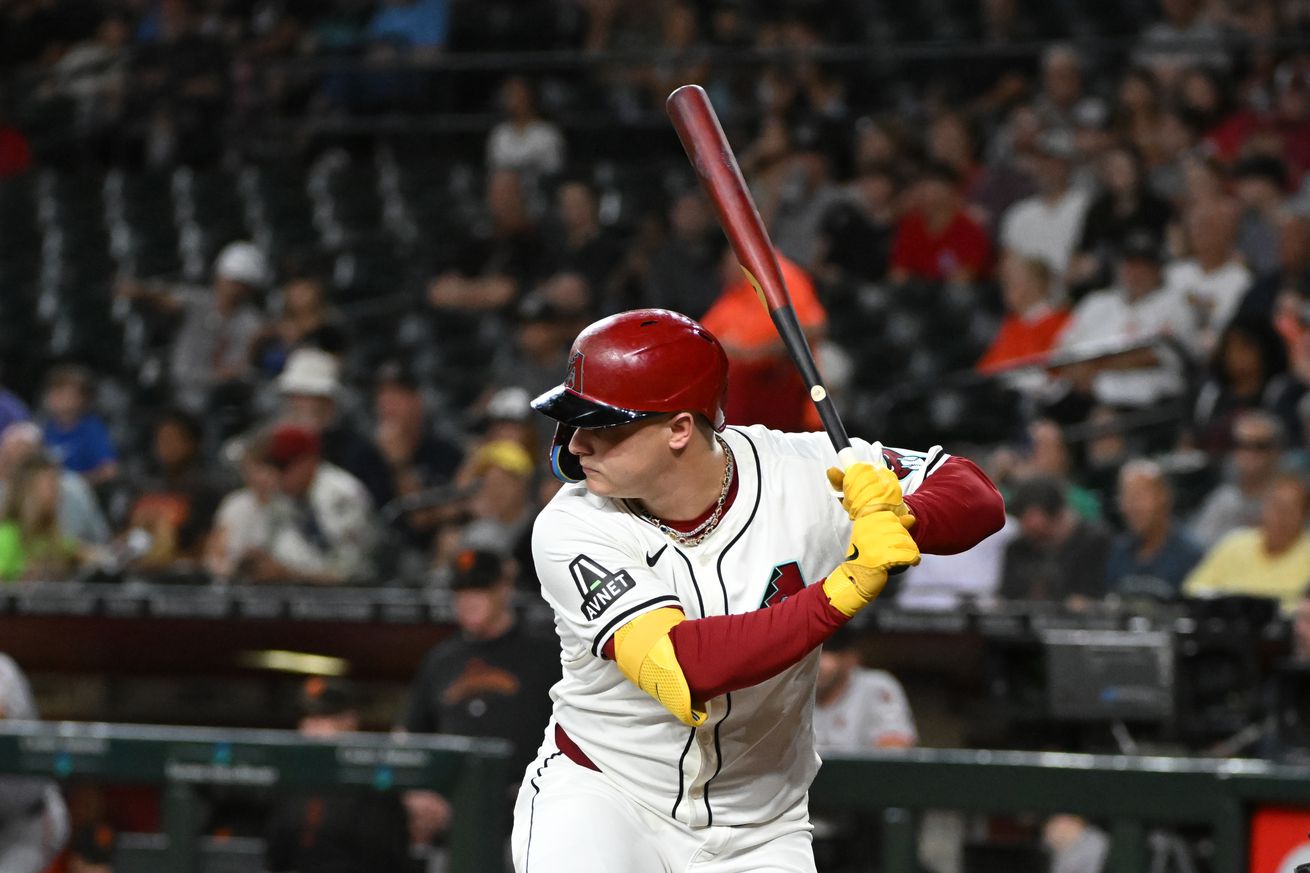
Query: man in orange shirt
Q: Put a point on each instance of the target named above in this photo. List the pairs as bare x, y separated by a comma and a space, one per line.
1032, 324
763, 385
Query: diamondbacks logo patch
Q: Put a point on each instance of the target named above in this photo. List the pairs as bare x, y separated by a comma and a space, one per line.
896, 462
785, 581
598, 586
573, 378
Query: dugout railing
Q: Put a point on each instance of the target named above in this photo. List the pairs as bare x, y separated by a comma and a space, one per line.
1130, 794
470, 772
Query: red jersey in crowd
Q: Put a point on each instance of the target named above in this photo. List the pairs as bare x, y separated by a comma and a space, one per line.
960, 244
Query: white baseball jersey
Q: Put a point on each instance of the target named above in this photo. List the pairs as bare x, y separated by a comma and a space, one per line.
870, 709
601, 565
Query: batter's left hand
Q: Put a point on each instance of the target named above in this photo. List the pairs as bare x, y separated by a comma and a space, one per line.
866, 490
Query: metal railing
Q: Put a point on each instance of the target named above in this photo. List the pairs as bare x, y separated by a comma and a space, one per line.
471, 773
1133, 794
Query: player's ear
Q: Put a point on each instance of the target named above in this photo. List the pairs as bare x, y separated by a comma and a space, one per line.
682, 429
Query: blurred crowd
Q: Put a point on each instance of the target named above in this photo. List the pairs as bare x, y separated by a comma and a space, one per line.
1084, 264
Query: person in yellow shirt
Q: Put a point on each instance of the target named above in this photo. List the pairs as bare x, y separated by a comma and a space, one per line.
1272, 560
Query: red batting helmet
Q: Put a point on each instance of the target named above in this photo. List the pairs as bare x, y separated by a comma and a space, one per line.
632, 366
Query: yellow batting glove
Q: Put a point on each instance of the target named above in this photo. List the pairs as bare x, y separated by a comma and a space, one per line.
879, 542
867, 489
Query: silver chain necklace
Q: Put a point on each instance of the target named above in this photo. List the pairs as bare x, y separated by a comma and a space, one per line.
706, 527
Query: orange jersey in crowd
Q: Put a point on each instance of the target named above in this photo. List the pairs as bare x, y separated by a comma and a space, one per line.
763, 385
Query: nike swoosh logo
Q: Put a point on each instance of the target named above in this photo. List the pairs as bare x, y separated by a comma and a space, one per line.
652, 560
855, 552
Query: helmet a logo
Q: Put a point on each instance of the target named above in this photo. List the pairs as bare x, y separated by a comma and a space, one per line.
573, 379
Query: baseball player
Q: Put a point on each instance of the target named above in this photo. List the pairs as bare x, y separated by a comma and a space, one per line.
693, 570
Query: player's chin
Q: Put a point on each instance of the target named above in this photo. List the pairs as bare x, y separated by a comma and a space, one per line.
601, 485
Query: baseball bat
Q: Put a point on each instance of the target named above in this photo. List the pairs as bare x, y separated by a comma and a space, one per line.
708, 150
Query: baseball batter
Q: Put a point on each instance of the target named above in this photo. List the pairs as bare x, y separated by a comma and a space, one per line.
694, 570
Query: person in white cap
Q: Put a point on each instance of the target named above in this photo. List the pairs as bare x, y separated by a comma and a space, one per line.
310, 385
219, 324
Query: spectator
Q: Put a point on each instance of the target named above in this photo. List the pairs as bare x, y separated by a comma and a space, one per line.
419, 459
1057, 556
1257, 444
1046, 226
1185, 38
93, 74
1214, 280
763, 386
501, 509
1048, 454
1138, 309
177, 500
1032, 324
74, 433
796, 196
497, 260
1180, 171
1272, 560
32, 547
1260, 183
1076, 846
492, 679
1248, 371
1153, 556
1291, 275
179, 86
80, 517
856, 233
682, 55
213, 344
1137, 113
305, 319
936, 239
585, 248
242, 521
855, 708
353, 831
524, 142
543, 334
950, 141
320, 528
508, 416
1125, 204
33, 817
310, 386
683, 270
1063, 91
1007, 178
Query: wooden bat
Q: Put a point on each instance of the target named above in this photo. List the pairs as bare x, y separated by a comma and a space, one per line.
708, 150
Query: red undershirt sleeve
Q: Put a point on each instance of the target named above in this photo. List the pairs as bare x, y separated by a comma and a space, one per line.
722, 653
955, 508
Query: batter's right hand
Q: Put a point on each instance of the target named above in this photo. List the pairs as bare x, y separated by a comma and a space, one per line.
866, 489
